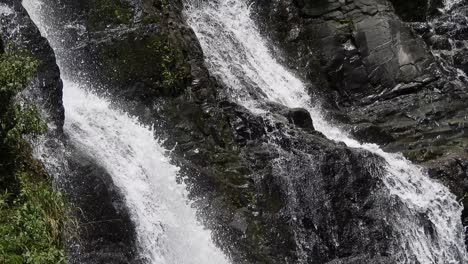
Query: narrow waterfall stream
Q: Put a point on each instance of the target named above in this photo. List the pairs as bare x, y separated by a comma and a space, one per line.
239, 57
166, 224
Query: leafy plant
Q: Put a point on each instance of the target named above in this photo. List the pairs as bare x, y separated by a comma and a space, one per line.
32, 224
32, 215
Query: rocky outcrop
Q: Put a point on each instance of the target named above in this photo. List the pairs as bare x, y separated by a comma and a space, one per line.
391, 86
105, 233
19, 35
446, 35
419, 10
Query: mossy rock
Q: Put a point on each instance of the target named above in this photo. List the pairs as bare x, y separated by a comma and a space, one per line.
32, 214
148, 63
105, 13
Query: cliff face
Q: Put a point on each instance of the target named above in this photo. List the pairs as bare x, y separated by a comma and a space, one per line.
373, 68
273, 191
394, 83
20, 35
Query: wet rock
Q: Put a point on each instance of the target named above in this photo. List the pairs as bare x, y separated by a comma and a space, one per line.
18, 34
372, 133
106, 233
407, 89
299, 117
389, 68
417, 11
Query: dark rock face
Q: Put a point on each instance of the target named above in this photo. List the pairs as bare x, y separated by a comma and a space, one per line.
300, 117
377, 73
353, 49
447, 35
19, 34
380, 74
296, 178
106, 234
417, 11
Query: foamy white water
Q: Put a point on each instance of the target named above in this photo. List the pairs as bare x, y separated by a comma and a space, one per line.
448, 4
166, 224
167, 228
237, 54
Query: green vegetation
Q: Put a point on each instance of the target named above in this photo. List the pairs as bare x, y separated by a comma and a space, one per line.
150, 60
32, 215
174, 72
349, 22
165, 5
109, 12
31, 224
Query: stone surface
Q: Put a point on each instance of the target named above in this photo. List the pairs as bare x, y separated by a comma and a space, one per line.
105, 233
394, 83
18, 34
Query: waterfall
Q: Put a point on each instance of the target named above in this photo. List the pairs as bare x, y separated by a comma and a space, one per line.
240, 58
448, 4
166, 223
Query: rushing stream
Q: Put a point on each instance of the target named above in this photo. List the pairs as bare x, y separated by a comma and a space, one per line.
239, 57
166, 224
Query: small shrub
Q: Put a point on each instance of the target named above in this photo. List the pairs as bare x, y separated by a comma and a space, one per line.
32, 224
32, 215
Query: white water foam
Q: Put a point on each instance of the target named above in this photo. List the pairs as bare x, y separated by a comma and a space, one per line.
166, 223
237, 54
5, 10
448, 4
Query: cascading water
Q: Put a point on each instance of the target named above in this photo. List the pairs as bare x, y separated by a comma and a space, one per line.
448, 4
453, 17
166, 224
238, 56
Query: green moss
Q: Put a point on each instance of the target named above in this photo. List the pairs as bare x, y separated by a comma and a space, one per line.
252, 198
150, 19
31, 224
32, 215
16, 120
149, 60
15, 71
109, 12
345, 25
